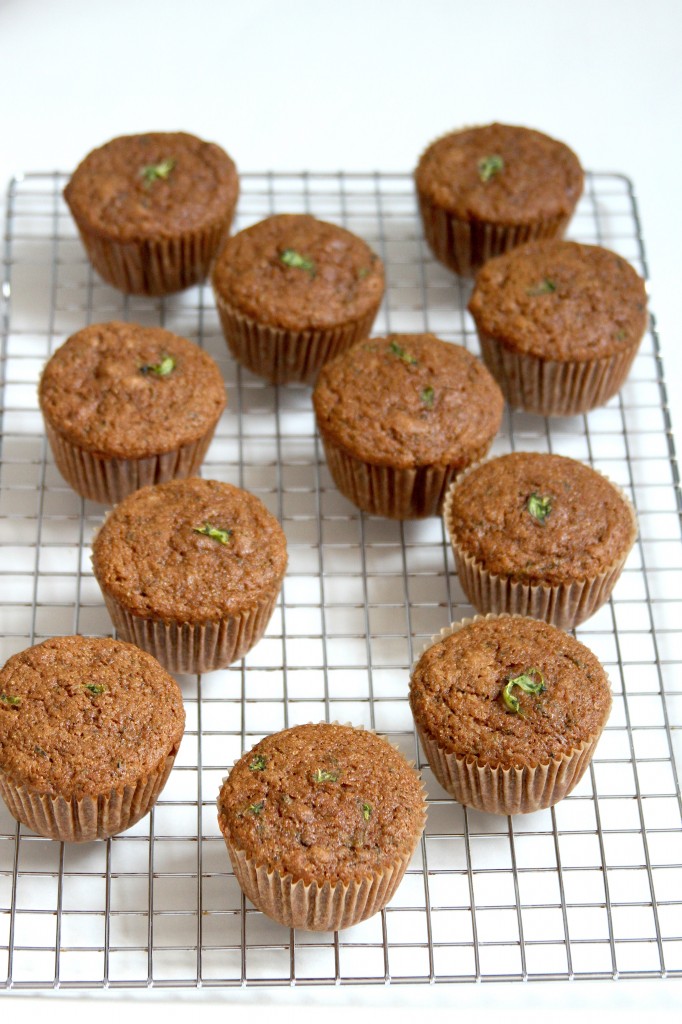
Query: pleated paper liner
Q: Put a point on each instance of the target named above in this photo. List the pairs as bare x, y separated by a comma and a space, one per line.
564, 605
498, 789
85, 818
551, 387
109, 480
465, 245
318, 906
281, 355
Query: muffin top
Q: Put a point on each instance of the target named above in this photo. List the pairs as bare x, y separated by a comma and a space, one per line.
509, 690
500, 173
323, 802
159, 185
120, 390
560, 300
540, 518
190, 551
408, 400
295, 272
83, 715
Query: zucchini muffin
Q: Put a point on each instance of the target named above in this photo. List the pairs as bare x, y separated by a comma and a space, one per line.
487, 189
320, 822
153, 209
190, 571
293, 291
559, 324
540, 535
509, 711
89, 730
400, 417
125, 406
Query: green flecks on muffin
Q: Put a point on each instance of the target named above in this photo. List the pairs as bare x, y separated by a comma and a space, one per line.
323, 775
621, 335
214, 532
427, 395
291, 258
258, 763
539, 507
39, 751
165, 366
256, 809
401, 353
489, 166
10, 700
527, 683
544, 287
366, 810
96, 689
363, 272
157, 172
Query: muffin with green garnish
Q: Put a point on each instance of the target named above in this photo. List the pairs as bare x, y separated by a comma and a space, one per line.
538, 534
89, 731
400, 417
126, 405
190, 571
487, 189
292, 292
509, 711
153, 209
560, 324
320, 823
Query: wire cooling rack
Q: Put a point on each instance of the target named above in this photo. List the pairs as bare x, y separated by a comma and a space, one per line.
589, 889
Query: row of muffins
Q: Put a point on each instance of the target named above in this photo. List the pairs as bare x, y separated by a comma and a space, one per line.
397, 353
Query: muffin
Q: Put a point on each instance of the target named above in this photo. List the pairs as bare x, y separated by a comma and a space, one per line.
486, 189
292, 292
89, 730
190, 571
400, 417
320, 823
509, 711
559, 324
153, 209
126, 406
540, 535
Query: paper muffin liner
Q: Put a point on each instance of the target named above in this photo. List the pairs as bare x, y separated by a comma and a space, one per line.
412, 493
108, 481
282, 355
465, 245
191, 647
500, 790
564, 605
156, 266
86, 818
551, 387
314, 906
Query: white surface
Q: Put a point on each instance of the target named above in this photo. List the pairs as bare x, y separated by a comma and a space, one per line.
360, 85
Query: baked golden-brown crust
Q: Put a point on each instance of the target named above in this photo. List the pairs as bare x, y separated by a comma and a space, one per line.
408, 400
456, 693
323, 803
561, 301
102, 391
83, 716
150, 557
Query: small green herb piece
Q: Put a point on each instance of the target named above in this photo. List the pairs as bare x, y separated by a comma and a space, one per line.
525, 682
621, 335
257, 808
10, 700
539, 507
156, 172
322, 775
427, 396
259, 763
363, 272
95, 688
544, 287
402, 353
489, 166
161, 369
366, 811
223, 536
39, 751
294, 259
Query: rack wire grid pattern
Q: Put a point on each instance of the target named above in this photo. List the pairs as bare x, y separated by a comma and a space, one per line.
591, 888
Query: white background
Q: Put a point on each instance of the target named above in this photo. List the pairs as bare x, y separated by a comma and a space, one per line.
364, 85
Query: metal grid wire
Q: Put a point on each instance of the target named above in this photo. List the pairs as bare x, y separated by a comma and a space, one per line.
589, 889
